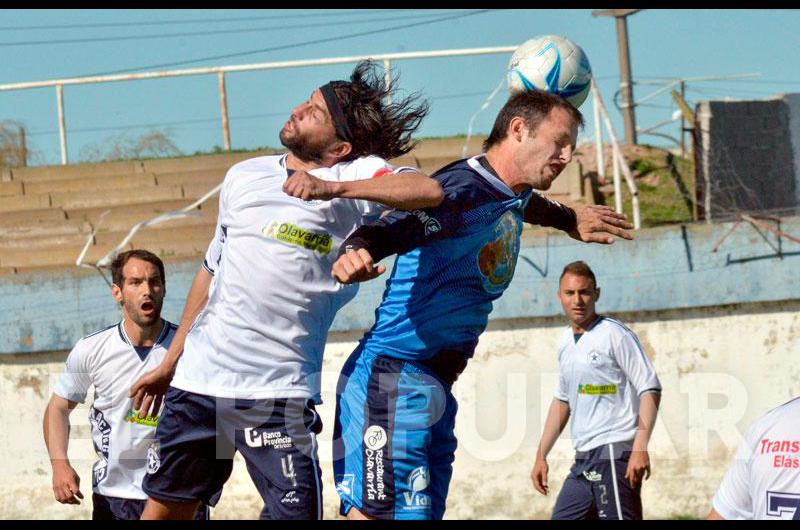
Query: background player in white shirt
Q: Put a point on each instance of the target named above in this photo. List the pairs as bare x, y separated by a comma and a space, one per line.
610, 388
111, 360
764, 480
258, 312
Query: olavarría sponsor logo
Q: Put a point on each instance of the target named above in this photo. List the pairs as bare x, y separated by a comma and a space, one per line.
294, 235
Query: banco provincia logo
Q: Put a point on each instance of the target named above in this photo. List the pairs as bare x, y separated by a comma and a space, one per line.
299, 237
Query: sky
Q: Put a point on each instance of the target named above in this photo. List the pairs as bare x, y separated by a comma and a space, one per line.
37, 45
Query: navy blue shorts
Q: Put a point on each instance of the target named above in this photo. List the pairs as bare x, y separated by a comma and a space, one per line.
197, 437
596, 487
105, 508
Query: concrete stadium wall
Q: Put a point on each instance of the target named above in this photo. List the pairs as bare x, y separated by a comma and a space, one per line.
720, 368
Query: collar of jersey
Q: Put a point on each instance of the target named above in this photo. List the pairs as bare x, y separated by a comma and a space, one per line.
600, 318
491, 179
124, 336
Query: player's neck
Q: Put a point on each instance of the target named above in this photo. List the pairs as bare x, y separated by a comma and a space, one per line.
585, 325
142, 335
295, 163
502, 163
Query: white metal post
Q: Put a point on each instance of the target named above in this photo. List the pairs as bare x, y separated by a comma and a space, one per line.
617, 180
62, 129
387, 77
598, 138
223, 106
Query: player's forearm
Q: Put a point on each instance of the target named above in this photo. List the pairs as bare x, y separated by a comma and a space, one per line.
405, 191
648, 411
56, 429
557, 417
196, 301
546, 212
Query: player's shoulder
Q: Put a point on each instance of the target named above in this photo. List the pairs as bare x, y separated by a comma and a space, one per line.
255, 166
613, 326
790, 409
99, 335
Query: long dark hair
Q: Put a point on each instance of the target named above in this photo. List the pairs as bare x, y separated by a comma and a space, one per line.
379, 128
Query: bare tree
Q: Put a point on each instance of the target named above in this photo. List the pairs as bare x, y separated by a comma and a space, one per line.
13, 145
126, 146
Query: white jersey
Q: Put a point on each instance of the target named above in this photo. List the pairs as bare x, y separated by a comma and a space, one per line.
108, 360
272, 299
602, 376
764, 480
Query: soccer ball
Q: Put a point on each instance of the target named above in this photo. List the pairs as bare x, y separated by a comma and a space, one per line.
553, 64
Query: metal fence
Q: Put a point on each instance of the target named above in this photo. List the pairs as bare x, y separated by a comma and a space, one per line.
220, 71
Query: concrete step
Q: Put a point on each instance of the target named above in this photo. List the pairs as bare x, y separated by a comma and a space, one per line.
61, 227
210, 176
91, 184
42, 241
60, 256
196, 190
123, 218
23, 203
74, 200
40, 173
429, 165
161, 235
30, 217
11, 189
448, 147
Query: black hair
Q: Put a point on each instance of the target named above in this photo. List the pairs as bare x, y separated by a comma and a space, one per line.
532, 106
145, 255
377, 126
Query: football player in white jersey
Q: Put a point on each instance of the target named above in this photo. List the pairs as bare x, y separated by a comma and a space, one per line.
764, 480
111, 360
609, 387
243, 372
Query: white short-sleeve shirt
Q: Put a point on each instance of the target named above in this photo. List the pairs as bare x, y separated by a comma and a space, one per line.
272, 299
763, 481
601, 377
108, 361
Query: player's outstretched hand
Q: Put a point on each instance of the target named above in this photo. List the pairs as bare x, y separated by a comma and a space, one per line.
356, 266
539, 476
66, 484
596, 222
306, 186
148, 391
638, 468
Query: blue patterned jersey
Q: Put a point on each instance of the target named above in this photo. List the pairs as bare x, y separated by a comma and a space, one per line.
453, 261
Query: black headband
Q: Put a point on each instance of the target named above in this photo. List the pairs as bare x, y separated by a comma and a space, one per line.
335, 110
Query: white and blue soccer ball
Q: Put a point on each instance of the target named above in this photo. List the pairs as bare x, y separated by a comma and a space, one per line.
551, 63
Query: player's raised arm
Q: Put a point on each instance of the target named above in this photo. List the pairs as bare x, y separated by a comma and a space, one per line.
590, 224
405, 190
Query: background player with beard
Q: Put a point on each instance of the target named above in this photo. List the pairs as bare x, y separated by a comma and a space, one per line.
258, 313
111, 360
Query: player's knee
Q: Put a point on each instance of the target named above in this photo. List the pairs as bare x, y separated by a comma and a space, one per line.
354, 514
157, 509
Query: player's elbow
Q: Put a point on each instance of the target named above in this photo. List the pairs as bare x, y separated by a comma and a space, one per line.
432, 194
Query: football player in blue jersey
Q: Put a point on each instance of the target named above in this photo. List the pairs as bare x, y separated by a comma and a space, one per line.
609, 388
393, 442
